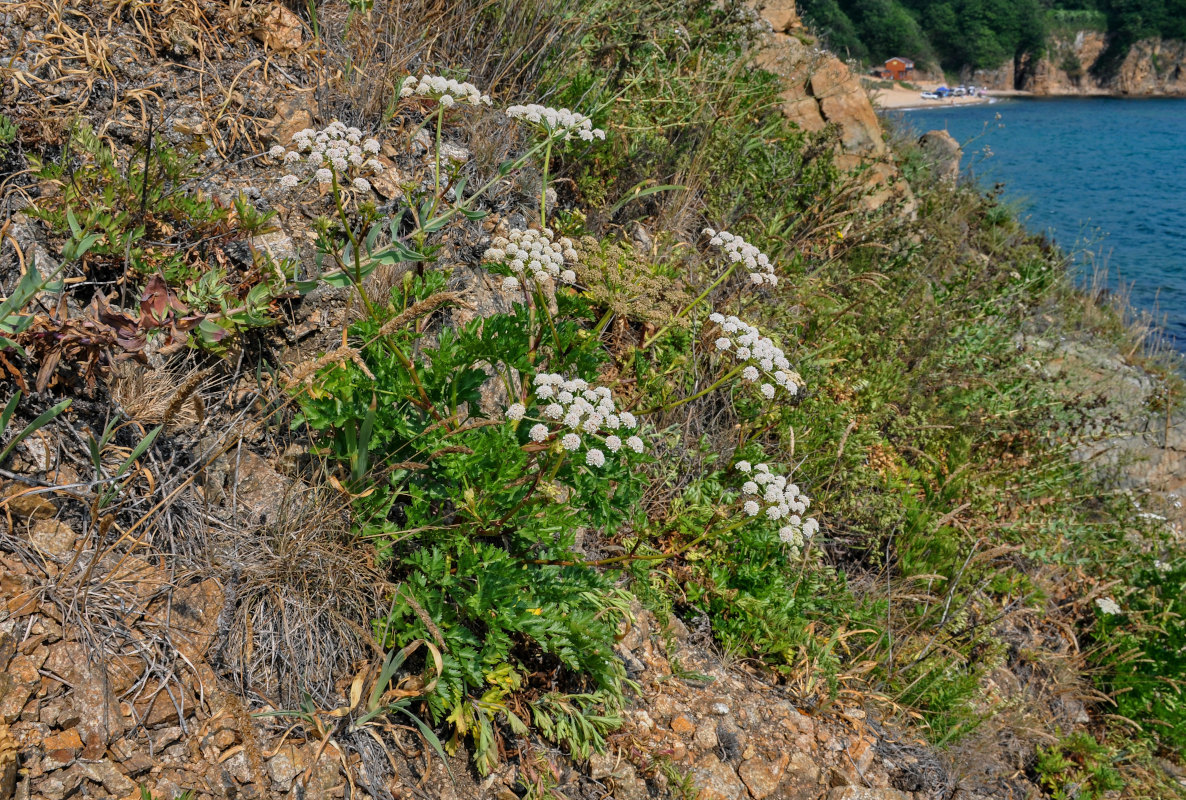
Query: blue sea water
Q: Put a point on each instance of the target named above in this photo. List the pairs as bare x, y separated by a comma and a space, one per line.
1105, 177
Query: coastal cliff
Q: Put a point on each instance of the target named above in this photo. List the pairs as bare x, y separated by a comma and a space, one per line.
1081, 64
820, 90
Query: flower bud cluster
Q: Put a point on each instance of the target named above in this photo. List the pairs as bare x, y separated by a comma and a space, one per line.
738, 250
582, 416
335, 149
446, 91
534, 256
778, 500
557, 122
759, 354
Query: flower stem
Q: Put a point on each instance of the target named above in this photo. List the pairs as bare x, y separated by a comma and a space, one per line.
435, 223
543, 192
731, 373
440, 124
355, 252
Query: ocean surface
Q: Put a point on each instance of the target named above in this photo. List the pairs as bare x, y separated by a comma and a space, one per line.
1104, 177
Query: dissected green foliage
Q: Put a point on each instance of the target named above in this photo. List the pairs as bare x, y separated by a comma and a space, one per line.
1077, 767
146, 228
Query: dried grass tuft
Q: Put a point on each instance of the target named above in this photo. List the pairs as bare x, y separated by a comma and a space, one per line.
301, 592
156, 396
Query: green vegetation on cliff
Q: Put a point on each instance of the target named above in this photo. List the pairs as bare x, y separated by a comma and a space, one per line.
982, 34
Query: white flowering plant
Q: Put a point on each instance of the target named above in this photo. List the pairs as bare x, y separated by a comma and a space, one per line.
772, 498
447, 93
739, 254
535, 258
340, 161
478, 505
553, 126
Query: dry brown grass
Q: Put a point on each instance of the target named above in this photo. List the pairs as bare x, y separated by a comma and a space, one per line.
499, 47
159, 396
304, 592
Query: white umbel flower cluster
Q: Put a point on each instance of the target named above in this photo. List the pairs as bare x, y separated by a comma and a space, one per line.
336, 149
738, 250
557, 122
762, 358
535, 257
446, 91
779, 501
582, 416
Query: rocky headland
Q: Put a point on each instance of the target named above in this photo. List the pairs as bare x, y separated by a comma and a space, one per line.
1081, 64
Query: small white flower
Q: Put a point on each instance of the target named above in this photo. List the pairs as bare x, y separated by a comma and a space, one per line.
750, 374
723, 343
538, 432
545, 391
767, 391
362, 185
749, 487
595, 458
613, 443
751, 508
744, 466
628, 421
635, 444
277, 151
289, 181
516, 412
1107, 605
324, 175
570, 441
510, 284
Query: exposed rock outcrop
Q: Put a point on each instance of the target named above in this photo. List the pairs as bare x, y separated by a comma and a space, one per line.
820, 90
944, 151
1076, 66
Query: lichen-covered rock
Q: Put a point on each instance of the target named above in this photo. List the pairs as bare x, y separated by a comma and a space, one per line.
716, 780
944, 152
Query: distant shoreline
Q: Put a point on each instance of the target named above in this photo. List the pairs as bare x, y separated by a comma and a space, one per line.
899, 98
902, 99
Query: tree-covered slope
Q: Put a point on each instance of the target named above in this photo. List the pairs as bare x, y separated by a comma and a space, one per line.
982, 34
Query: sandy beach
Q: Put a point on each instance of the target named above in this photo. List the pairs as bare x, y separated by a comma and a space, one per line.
899, 97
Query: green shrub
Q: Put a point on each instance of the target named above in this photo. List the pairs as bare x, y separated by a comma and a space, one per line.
1142, 651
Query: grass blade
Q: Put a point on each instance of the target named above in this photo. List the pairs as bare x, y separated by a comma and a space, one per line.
33, 426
